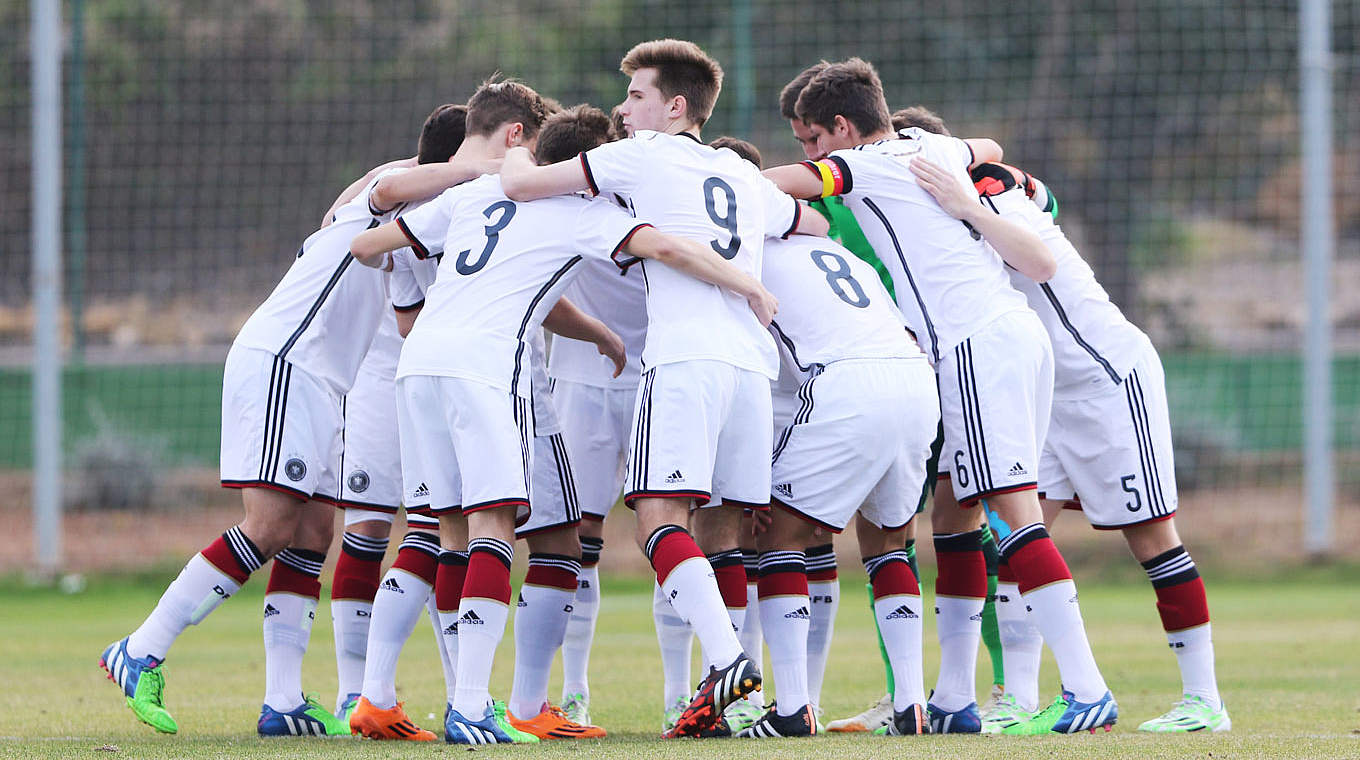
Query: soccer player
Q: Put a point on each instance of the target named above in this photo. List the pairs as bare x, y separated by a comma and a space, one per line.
283, 387
1108, 452
858, 444
465, 358
702, 421
994, 364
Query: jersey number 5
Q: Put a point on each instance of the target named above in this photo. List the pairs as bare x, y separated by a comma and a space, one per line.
840, 274
712, 186
493, 236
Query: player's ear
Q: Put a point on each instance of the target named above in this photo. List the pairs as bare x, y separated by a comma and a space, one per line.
841, 126
678, 107
514, 135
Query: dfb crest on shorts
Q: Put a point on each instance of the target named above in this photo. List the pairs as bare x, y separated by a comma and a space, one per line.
358, 481
295, 469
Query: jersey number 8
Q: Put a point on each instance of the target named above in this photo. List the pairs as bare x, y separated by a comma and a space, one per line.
840, 274
493, 236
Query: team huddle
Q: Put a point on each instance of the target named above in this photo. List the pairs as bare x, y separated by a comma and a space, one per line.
752, 358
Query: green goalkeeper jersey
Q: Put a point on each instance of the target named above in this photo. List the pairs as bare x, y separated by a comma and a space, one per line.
846, 231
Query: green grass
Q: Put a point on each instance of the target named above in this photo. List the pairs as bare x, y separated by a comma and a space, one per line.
1286, 662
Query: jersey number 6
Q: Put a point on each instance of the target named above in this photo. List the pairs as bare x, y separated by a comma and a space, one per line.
493, 236
712, 186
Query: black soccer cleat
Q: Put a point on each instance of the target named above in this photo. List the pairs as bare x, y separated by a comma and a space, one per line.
719, 689
909, 722
773, 725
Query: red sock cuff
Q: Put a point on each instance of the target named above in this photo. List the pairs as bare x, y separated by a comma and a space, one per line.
355, 578
487, 578
553, 571
896, 579
288, 580
448, 581
1004, 574
782, 584
1038, 563
732, 585
220, 555
1184, 605
421, 564
667, 547
963, 569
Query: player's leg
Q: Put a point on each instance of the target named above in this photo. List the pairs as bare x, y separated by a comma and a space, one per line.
716, 531
991, 635
824, 600
585, 610
751, 635
899, 616
358, 568
960, 592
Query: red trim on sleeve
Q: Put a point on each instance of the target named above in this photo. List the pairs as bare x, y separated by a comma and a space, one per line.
590, 176
614, 255
418, 247
412, 307
797, 217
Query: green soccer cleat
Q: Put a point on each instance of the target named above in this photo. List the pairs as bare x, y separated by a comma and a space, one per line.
1039, 723
143, 684
517, 736
577, 708
673, 713
307, 719
742, 714
1192, 713
1002, 713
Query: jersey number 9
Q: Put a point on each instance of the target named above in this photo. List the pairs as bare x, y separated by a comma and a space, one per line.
712, 186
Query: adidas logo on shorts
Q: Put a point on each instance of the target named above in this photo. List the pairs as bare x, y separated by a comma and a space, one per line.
471, 618
675, 477
903, 612
801, 614
1017, 469
785, 489
391, 585
422, 492
270, 610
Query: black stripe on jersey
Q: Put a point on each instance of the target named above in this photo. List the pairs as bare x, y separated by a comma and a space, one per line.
564, 477
1067, 324
417, 247
793, 350
640, 438
804, 414
690, 136
266, 444
1147, 457
797, 217
972, 417
977, 407
921, 304
529, 312
590, 176
412, 307
320, 299
281, 405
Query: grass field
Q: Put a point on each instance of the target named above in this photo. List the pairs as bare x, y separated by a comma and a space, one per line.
1286, 649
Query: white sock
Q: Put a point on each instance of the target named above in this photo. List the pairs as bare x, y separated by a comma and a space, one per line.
585, 610
198, 590
676, 640
350, 619
1021, 646
1058, 617
288, 622
825, 599
481, 625
540, 625
1194, 648
900, 623
958, 623
751, 637
446, 637
785, 621
694, 594
398, 604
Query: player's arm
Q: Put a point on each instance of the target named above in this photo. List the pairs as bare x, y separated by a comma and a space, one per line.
524, 180
983, 150
568, 321
1017, 244
799, 180
406, 319
357, 186
428, 180
373, 246
701, 261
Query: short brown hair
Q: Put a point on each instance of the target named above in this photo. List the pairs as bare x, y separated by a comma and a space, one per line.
496, 103
616, 129
571, 131
442, 133
788, 97
682, 68
739, 146
850, 89
921, 117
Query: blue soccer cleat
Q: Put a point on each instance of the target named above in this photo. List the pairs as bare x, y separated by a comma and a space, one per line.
1068, 716
307, 719
491, 728
965, 721
143, 684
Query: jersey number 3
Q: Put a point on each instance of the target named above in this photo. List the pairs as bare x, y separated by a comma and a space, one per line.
839, 278
728, 221
506, 209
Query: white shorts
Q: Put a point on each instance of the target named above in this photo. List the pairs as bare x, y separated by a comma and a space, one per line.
465, 445
553, 487
996, 390
1113, 452
702, 430
280, 427
784, 401
596, 423
370, 464
860, 441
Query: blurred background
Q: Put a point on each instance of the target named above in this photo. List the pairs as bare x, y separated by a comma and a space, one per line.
202, 141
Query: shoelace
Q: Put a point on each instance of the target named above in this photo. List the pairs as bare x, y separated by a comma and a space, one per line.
157, 687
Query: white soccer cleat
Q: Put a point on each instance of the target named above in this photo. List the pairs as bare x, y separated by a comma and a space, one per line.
877, 716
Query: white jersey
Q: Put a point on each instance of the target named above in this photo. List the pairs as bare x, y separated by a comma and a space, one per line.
949, 283
1094, 345
621, 303
486, 299
323, 314
832, 306
712, 196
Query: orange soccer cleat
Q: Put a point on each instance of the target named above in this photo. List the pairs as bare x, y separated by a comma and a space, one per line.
373, 723
552, 723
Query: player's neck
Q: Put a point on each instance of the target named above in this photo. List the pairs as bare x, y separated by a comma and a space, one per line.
885, 134
680, 127
480, 148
